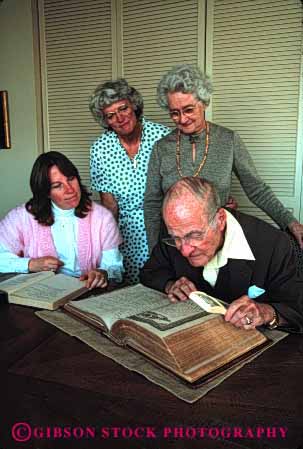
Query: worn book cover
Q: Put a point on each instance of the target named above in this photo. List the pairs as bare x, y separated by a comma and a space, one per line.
181, 337
45, 290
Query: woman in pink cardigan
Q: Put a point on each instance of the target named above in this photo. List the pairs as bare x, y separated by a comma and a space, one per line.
60, 228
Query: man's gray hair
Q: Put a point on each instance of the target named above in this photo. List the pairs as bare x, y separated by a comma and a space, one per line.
108, 93
203, 190
185, 78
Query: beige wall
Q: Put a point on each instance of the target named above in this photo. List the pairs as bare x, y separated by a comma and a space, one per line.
17, 77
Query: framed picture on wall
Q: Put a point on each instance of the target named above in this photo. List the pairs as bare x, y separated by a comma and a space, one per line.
5, 138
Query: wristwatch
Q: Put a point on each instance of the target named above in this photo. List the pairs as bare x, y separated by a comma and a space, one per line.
274, 322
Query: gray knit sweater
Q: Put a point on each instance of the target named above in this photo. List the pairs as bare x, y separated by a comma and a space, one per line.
227, 153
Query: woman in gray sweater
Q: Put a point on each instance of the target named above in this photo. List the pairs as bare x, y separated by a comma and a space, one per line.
200, 148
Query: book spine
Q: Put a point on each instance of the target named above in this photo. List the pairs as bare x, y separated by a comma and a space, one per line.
3, 297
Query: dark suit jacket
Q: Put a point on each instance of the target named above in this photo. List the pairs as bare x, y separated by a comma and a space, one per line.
274, 270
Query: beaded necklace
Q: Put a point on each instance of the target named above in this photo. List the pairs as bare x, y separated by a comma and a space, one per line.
178, 151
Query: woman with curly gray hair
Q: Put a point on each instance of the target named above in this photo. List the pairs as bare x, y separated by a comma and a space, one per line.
118, 164
200, 148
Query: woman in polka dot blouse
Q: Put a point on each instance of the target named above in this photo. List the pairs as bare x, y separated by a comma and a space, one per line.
118, 164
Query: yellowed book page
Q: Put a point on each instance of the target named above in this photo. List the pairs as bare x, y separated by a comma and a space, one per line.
207, 302
47, 292
23, 280
170, 315
119, 304
141, 304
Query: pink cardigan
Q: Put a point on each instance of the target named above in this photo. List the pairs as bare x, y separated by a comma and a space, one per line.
21, 234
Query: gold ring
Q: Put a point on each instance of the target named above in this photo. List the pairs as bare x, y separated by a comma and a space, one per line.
248, 320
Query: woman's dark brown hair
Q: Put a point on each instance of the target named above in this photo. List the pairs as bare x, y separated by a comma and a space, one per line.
40, 204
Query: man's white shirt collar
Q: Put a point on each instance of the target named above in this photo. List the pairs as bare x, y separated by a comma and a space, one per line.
235, 247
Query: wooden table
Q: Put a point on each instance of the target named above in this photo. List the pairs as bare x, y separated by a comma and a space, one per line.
52, 382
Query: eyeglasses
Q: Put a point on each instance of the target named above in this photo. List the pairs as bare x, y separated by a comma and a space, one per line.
188, 111
124, 109
193, 238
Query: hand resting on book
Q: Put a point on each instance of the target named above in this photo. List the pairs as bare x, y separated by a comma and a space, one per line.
247, 313
243, 312
179, 290
95, 279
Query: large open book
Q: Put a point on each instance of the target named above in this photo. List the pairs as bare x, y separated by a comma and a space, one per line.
45, 289
180, 337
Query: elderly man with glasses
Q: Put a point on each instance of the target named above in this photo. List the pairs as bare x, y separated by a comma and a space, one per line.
224, 253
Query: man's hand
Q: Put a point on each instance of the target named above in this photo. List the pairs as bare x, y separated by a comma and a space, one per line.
248, 314
95, 278
179, 290
296, 229
47, 263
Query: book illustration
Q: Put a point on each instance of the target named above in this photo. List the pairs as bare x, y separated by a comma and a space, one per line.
207, 302
119, 304
170, 315
150, 316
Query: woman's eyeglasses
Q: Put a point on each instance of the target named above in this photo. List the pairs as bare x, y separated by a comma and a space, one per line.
188, 111
124, 109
